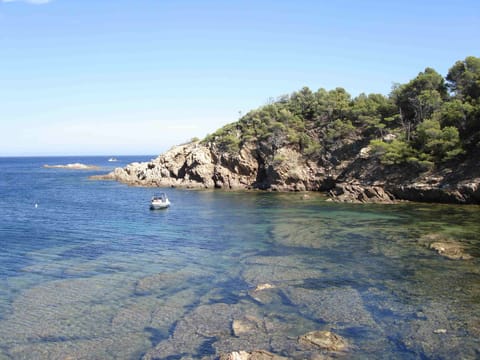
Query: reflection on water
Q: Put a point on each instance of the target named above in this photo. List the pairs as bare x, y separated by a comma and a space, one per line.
128, 283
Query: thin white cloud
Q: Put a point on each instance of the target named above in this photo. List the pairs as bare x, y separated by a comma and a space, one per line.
35, 2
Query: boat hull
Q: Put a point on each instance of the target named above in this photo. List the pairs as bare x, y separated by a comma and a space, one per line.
159, 201
159, 206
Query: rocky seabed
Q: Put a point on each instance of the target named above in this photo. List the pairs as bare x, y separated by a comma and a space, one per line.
273, 312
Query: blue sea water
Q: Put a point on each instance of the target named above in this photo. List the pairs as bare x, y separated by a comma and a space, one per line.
87, 271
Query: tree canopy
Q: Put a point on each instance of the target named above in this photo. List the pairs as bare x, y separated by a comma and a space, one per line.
427, 121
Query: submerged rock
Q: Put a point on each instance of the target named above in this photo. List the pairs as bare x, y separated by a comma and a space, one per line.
277, 269
436, 334
252, 355
451, 250
196, 330
332, 305
157, 282
261, 287
325, 340
71, 317
446, 246
224, 329
246, 325
265, 293
105, 348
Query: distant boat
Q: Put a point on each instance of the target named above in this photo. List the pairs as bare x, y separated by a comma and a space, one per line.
159, 201
112, 159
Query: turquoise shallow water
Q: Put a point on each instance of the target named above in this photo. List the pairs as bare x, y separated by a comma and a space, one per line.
92, 273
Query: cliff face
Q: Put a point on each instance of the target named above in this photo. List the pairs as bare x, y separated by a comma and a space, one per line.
347, 174
199, 166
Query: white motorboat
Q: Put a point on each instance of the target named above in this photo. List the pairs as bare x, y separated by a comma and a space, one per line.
112, 159
159, 201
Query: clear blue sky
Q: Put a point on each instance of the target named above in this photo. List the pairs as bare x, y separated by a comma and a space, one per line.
138, 76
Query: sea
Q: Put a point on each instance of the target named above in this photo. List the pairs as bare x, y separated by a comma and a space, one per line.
88, 271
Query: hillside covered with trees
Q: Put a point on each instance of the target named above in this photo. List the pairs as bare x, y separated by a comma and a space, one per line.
426, 122
421, 142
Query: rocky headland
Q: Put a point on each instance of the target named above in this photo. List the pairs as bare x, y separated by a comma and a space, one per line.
351, 175
419, 143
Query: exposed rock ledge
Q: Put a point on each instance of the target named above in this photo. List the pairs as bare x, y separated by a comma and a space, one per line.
348, 176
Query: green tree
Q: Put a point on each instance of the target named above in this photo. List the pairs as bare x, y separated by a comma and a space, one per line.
396, 152
372, 111
303, 103
418, 99
437, 144
464, 79
322, 107
455, 113
339, 101
339, 129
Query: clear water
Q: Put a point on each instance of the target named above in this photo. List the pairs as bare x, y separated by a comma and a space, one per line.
92, 273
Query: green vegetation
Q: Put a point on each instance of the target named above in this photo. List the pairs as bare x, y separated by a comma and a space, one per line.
427, 121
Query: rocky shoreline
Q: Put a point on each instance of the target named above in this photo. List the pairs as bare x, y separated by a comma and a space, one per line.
353, 176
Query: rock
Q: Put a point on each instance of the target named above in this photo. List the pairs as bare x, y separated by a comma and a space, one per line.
355, 193
253, 355
157, 283
446, 246
74, 166
278, 269
195, 329
451, 250
438, 334
94, 347
325, 340
424, 192
365, 152
196, 165
69, 309
264, 287
331, 305
348, 172
389, 138
190, 166
262, 294
246, 325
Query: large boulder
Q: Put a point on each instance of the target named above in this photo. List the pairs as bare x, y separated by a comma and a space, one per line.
355, 193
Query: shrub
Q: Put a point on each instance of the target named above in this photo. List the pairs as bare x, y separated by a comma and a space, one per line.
395, 152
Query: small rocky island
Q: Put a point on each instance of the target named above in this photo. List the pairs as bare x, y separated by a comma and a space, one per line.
420, 143
73, 166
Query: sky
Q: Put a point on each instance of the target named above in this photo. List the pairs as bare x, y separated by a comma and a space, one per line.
128, 77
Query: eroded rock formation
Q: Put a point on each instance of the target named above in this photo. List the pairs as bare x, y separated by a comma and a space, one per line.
349, 175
